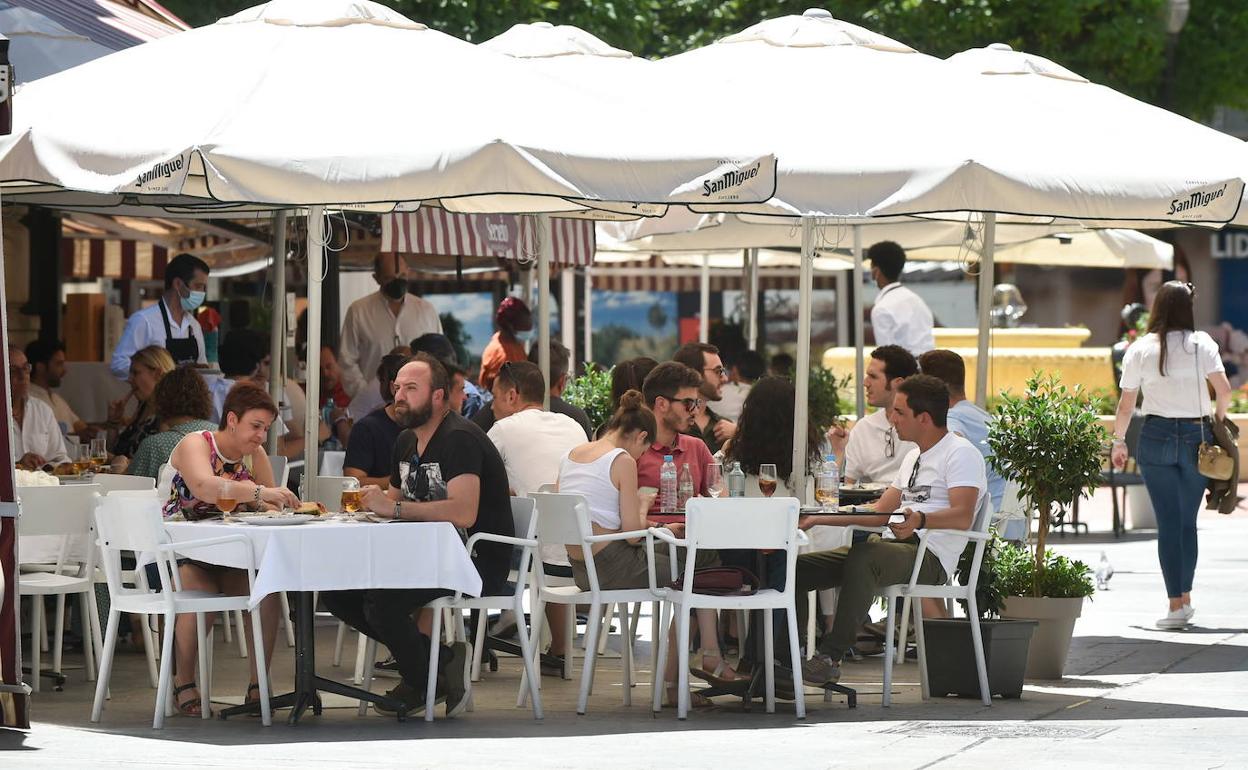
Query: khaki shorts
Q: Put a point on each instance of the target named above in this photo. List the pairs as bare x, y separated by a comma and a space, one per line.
622, 565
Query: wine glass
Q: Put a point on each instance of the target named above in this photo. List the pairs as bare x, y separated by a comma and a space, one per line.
226, 496
767, 479
714, 479
99, 452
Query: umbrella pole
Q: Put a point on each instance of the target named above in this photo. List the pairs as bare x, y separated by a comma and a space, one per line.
546, 248
859, 400
754, 303
589, 315
704, 300
985, 305
567, 314
316, 274
277, 338
842, 308
801, 376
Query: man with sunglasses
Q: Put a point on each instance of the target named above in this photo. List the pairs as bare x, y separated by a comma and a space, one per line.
872, 451
36, 436
939, 486
708, 426
671, 391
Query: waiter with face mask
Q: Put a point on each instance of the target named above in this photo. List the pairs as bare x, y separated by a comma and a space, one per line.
169, 323
378, 323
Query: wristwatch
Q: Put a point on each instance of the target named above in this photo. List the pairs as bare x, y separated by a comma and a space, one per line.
398, 508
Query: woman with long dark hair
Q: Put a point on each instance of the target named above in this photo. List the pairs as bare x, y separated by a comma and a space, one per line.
765, 435
1173, 364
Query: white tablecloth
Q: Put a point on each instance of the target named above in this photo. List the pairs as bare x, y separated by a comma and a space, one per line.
334, 555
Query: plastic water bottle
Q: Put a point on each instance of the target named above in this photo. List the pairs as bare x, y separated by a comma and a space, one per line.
667, 486
684, 487
828, 484
736, 481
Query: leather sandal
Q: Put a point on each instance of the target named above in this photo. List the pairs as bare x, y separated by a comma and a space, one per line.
722, 675
697, 701
189, 706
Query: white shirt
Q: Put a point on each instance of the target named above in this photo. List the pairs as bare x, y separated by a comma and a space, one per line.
367, 401
39, 433
60, 407
729, 407
1181, 392
953, 462
146, 327
532, 444
371, 331
901, 317
866, 453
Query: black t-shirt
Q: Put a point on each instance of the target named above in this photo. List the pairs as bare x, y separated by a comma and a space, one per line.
370, 447
459, 447
484, 419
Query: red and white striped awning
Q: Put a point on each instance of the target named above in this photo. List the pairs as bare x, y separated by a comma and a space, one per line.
654, 275
438, 232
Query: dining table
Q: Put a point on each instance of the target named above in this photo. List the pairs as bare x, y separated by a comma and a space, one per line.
302, 556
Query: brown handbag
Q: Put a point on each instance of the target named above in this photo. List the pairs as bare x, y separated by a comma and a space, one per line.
721, 581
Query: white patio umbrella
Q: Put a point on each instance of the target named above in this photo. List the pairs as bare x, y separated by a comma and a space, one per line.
1088, 248
930, 136
263, 110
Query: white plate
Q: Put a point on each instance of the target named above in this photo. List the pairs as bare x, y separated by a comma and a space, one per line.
294, 518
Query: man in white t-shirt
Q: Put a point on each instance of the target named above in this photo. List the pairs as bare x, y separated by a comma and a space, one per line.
939, 487
872, 451
899, 316
532, 443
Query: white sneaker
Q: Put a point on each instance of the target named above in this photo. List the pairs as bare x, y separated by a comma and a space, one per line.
1173, 619
1189, 611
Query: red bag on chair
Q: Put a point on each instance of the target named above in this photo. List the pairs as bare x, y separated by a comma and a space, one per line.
721, 581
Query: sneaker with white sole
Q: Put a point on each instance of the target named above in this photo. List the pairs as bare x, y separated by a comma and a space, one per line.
1189, 611
1174, 619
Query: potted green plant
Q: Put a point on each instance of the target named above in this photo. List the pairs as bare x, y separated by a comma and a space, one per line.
949, 645
591, 392
1051, 444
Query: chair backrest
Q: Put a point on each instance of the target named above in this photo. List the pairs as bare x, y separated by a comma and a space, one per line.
164, 480
738, 522
331, 463
327, 490
983, 514
548, 488
116, 482
281, 470
62, 510
125, 523
561, 519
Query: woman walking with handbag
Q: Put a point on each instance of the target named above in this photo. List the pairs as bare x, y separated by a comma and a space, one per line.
1171, 365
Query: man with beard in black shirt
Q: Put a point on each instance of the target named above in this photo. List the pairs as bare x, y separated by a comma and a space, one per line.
468, 490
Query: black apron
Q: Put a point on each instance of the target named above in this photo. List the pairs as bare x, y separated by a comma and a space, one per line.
184, 350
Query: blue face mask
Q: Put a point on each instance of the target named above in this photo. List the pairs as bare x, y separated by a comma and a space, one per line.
526, 336
193, 300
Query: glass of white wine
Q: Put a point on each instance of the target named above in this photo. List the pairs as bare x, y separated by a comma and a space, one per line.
714, 479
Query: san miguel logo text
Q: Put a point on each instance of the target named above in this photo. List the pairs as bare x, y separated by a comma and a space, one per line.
162, 170
1195, 200
730, 179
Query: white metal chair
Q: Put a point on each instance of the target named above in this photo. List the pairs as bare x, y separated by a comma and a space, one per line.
564, 520
127, 524
737, 522
524, 521
116, 482
950, 590
331, 463
64, 512
281, 470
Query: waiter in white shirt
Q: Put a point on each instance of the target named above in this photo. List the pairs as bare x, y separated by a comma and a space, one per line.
899, 316
170, 322
36, 436
377, 323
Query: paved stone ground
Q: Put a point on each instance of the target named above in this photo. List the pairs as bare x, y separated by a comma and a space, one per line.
1133, 696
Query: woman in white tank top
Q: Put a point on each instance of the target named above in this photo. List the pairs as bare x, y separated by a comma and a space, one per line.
604, 472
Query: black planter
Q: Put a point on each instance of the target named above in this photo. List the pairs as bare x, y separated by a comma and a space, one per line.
951, 656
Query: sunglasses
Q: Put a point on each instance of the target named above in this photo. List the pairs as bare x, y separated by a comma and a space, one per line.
720, 370
890, 443
689, 403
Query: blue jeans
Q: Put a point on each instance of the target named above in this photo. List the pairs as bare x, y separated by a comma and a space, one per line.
1167, 459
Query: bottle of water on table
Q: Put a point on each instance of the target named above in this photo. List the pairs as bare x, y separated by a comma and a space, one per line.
736, 481
828, 484
667, 486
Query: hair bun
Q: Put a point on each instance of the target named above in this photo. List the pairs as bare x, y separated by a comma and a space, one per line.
632, 399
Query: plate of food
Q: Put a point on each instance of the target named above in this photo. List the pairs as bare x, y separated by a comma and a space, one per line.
275, 518
312, 509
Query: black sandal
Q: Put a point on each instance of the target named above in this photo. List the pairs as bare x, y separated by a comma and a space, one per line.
247, 699
190, 707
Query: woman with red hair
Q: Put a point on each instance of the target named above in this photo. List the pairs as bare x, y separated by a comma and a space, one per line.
512, 319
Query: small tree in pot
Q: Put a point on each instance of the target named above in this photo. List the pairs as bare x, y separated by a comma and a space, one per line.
1048, 442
